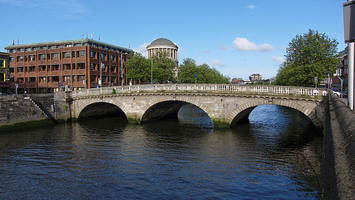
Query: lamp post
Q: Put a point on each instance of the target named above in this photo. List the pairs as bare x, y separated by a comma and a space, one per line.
151, 71
102, 67
121, 71
349, 33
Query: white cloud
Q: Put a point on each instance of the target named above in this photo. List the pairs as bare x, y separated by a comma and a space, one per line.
216, 63
243, 44
142, 49
251, 7
279, 59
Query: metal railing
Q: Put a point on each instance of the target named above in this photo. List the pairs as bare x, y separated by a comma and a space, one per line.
205, 88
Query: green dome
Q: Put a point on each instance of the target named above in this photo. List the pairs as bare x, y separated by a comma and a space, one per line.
162, 42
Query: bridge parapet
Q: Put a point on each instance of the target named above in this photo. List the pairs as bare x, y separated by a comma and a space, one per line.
206, 88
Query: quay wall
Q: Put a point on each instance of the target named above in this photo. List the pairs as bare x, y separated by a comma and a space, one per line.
16, 109
339, 150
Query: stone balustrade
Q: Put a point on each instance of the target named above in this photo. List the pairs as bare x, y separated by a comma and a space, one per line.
206, 88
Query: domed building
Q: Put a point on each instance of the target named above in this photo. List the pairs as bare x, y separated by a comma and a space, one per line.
165, 46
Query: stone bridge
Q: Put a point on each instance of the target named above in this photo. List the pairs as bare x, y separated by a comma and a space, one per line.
226, 105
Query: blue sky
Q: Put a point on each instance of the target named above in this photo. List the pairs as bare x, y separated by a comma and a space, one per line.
237, 37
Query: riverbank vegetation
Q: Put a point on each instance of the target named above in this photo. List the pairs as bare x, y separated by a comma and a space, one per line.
164, 70
308, 56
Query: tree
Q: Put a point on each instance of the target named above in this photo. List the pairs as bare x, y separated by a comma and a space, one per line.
163, 69
138, 68
309, 55
188, 70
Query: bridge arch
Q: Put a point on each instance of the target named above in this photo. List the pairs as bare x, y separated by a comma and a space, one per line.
242, 113
168, 108
93, 108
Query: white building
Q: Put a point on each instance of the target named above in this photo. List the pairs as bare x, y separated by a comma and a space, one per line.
163, 46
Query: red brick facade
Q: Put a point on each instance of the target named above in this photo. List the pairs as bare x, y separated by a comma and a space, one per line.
45, 67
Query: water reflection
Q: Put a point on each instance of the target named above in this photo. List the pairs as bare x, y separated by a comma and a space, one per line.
270, 158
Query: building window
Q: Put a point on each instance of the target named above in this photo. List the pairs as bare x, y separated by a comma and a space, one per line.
32, 79
81, 53
81, 77
66, 66
66, 55
1, 63
42, 68
20, 80
42, 56
66, 78
32, 57
20, 69
92, 54
93, 78
42, 79
19, 58
55, 56
81, 65
12, 70
32, 69
102, 56
55, 78
92, 66
55, 67
111, 57
11, 59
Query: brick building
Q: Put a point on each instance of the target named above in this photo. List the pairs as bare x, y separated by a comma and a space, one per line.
255, 78
340, 79
4, 72
47, 67
4, 66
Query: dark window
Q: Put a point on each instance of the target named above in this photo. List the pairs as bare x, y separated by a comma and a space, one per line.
32, 57
42, 56
55, 78
81, 53
92, 54
55, 56
32, 79
81, 77
81, 65
20, 69
32, 69
66, 55
42, 68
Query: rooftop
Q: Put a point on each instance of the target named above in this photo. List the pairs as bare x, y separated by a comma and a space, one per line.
162, 42
64, 42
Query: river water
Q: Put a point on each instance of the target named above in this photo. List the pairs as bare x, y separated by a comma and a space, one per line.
275, 156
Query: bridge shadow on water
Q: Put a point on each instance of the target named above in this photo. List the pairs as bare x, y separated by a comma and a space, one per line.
102, 110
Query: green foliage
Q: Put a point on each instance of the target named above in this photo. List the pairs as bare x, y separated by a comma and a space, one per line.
204, 74
138, 68
309, 55
113, 91
163, 69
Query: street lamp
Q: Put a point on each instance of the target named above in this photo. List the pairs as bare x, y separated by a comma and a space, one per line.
151, 71
102, 67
